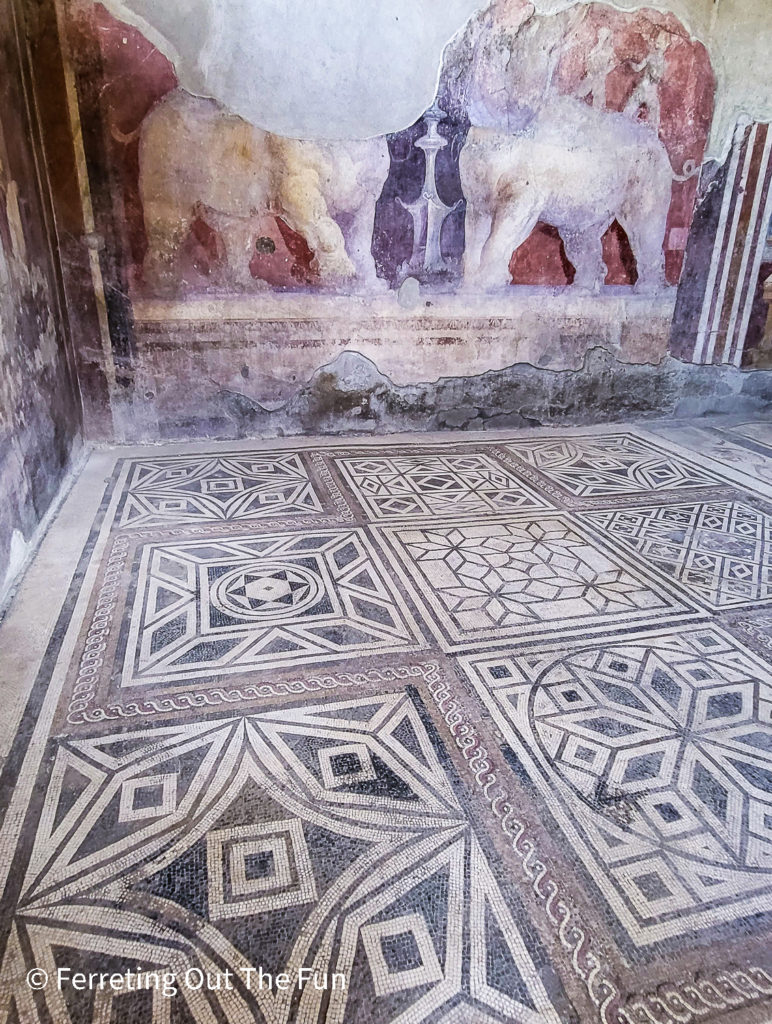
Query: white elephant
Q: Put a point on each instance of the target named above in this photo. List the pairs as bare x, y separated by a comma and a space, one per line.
576, 168
194, 156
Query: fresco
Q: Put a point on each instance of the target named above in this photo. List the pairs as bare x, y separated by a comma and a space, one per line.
208, 173
590, 99
563, 150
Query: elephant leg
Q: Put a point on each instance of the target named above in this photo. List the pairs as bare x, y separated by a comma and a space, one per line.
511, 226
646, 235
307, 213
165, 235
238, 235
584, 249
477, 229
359, 244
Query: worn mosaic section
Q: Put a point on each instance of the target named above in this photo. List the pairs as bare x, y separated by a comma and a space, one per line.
410, 725
719, 551
653, 757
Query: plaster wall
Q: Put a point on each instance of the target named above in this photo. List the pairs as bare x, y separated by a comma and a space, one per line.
40, 415
374, 67
262, 180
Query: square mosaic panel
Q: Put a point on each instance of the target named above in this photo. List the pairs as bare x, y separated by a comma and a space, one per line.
525, 578
609, 464
322, 841
208, 607
719, 551
241, 486
392, 487
654, 758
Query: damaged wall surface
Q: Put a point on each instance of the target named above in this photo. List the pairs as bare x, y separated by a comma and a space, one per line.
539, 188
40, 416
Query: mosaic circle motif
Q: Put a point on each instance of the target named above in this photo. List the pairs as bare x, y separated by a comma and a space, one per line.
266, 590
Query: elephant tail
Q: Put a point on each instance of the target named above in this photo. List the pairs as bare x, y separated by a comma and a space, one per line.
691, 167
125, 138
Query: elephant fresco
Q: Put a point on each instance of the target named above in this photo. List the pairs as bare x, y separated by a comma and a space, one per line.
613, 169
198, 162
569, 122
578, 120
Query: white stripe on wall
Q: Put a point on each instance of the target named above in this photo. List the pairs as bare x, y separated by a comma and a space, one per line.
700, 344
730, 341
760, 237
732, 239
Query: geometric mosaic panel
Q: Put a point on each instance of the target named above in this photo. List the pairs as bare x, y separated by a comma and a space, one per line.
217, 606
239, 486
609, 464
436, 485
654, 757
170, 808
524, 578
720, 551
261, 863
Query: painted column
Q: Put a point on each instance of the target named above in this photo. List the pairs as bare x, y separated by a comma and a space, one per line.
429, 212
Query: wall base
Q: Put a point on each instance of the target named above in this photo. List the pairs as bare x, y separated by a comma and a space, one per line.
351, 395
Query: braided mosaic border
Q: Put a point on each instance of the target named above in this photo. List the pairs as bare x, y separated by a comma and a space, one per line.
218, 696
677, 1003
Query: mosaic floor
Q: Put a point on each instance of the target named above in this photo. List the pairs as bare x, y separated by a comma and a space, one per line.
463, 730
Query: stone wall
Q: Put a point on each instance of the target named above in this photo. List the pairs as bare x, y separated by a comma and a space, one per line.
40, 416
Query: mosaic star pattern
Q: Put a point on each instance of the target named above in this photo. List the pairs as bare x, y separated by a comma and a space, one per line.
205, 608
653, 756
719, 551
240, 486
382, 711
609, 464
325, 837
523, 578
436, 485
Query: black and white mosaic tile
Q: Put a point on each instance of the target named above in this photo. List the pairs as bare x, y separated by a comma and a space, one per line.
464, 731
653, 756
220, 605
719, 551
613, 464
526, 577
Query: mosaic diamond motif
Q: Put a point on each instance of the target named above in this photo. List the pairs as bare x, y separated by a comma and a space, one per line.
239, 486
210, 607
719, 551
263, 590
609, 464
654, 757
382, 881
436, 485
524, 578
258, 867
147, 797
414, 966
